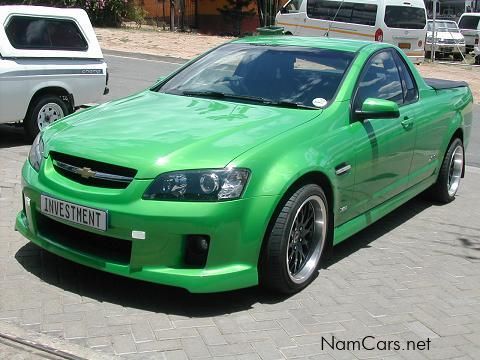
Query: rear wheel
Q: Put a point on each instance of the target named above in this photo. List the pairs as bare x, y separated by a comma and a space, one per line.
43, 111
296, 241
448, 181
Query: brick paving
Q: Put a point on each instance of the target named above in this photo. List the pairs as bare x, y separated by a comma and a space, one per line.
414, 276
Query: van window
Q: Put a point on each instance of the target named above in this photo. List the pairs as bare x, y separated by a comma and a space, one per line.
34, 33
348, 12
292, 7
405, 17
469, 22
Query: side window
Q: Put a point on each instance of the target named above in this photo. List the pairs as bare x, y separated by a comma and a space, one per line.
380, 80
410, 91
292, 7
342, 11
364, 14
34, 33
322, 9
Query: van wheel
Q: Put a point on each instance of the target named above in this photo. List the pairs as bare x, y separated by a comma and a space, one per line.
43, 111
448, 181
296, 242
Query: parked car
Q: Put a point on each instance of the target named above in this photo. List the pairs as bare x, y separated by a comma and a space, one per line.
392, 21
448, 39
50, 64
476, 50
469, 24
247, 164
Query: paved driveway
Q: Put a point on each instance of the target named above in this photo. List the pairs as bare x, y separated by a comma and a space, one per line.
414, 275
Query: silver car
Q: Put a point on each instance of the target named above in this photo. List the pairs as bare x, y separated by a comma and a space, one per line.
448, 39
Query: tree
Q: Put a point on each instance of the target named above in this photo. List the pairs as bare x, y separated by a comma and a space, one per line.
235, 11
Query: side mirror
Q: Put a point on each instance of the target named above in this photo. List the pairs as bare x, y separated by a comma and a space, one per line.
377, 109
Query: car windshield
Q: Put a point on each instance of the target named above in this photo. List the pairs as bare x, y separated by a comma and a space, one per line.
469, 22
443, 26
405, 17
274, 75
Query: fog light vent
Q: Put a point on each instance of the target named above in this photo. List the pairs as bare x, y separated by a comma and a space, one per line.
196, 250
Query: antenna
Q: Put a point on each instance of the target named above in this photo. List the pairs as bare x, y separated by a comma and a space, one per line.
330, 21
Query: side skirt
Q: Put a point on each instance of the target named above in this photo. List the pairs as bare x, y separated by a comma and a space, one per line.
353, 226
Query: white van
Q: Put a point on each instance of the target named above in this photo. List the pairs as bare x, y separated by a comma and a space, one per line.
402, 23
50, 64
469, 24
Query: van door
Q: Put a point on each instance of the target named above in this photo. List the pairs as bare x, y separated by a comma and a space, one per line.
405, 27
290, 17
341, 19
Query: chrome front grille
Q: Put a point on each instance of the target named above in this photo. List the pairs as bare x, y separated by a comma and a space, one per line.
91, 172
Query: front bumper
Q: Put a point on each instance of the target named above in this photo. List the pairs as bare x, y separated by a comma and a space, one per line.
236, 230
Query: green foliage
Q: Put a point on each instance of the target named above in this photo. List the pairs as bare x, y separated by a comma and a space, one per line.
101, 12
235, 11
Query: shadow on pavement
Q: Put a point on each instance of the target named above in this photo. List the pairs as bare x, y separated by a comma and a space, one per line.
106, 287
11, 136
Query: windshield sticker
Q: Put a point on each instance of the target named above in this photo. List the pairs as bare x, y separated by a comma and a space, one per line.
319, 102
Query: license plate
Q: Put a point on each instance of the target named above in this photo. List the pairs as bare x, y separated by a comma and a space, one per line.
77, 214
404, 45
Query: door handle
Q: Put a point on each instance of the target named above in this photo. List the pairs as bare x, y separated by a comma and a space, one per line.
407, 123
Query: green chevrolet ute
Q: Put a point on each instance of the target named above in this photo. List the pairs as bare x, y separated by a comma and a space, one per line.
247, 165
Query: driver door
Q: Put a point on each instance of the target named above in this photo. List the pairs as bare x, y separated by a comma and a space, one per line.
383, 147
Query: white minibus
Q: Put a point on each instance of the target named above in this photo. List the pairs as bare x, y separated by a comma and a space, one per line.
402, 23
469, 25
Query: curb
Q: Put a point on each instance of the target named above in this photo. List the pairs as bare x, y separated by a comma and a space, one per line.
48, 345
142, 56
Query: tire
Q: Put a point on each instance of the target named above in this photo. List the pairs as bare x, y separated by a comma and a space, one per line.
428, 54
449, 175
42, 112
300, 228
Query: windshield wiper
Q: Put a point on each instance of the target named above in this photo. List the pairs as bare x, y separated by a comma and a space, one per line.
257, 99
220, 95
291, 104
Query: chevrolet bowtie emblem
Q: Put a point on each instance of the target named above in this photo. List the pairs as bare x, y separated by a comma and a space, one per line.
86, 172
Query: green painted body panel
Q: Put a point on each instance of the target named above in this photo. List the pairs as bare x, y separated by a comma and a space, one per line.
156, 133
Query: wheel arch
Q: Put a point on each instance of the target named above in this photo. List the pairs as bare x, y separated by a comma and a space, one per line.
317, 177
56, 90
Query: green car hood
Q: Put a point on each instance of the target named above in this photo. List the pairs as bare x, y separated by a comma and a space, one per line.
154, 132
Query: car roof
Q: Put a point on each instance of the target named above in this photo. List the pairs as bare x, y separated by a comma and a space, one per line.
319, 42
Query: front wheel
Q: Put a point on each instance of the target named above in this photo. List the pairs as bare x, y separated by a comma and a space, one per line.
296, 242
448, 181
44, 111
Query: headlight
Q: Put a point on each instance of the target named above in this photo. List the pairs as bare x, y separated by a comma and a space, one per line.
35, 157
199, 185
